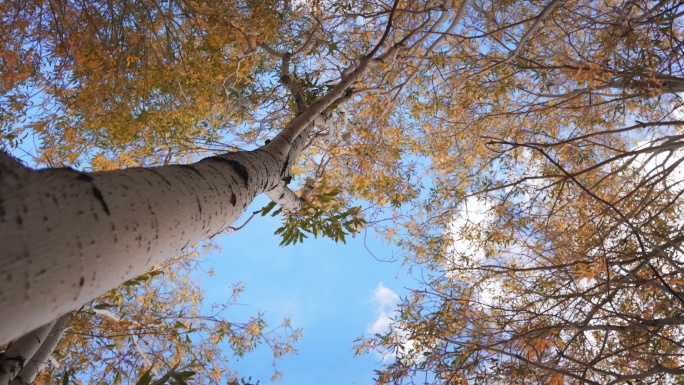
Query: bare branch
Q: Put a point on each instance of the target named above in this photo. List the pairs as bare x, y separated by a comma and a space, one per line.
291, 85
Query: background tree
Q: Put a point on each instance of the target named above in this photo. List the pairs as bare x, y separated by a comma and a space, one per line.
559, 261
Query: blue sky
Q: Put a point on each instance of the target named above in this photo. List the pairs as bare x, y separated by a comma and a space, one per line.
335, 292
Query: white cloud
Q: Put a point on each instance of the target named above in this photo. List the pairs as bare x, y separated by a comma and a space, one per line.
382, 323
466, 252
384, 297
474, 213
386, 302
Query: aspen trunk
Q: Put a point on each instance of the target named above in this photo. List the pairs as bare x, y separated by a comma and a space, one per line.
39, 360
13, 360
67, 237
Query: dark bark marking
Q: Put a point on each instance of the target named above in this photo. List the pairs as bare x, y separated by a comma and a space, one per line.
159, 175
8, 166
283, 171
21, 360
19, 220
81, 282
84, 177
199, 204
237, 167
287, 179
96, 191
240, 170
281, 196
221, 174
233, 199
191, 168
98, 195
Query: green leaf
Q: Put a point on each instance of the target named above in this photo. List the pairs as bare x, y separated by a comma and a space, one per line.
184, 374
182, 377
267, 208
145, 379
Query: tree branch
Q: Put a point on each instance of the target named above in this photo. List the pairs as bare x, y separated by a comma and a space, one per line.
40, 359
291, 85
13, 360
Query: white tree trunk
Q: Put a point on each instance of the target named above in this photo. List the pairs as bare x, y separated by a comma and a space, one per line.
20, 352
67, 237
39, 360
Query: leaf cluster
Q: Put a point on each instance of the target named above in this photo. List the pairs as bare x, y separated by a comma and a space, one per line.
325, 213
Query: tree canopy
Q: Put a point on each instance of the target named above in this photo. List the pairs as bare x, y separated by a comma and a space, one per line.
524, 154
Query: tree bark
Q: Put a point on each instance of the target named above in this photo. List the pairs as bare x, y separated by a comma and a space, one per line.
20, 352
39, 360
67, 237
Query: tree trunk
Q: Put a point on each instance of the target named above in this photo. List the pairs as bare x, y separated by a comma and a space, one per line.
20, 352
67, 237
39, 360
